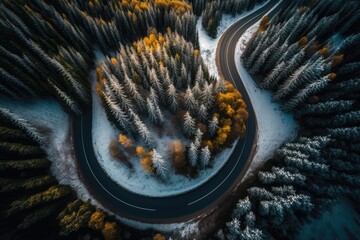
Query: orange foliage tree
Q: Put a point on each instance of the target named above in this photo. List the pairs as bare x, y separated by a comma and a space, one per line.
145, 159
158, 236
96, 221
264, 23
232, 115
125, 141
110, 230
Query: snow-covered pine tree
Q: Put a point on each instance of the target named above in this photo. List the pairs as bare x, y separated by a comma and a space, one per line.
151, 111
199, 78
160, 165
190, 102
205, 156
66, 99
220, 86
142, 130
304, 94
213, 126
193, 154
305, 75
22, 124
234, 229
203, 113
189, 125
283, 71
208, 95
172, 97
133, 92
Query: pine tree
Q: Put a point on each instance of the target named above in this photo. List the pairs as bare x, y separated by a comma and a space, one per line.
213, 126
205, 156
220, 86
143, 130
160, 165
234, 229
193, 154
189, 125
172, 97
22, 124
203, 114
189, 100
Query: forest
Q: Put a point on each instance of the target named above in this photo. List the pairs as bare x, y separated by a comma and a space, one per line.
314, 72
165, 70
152, 79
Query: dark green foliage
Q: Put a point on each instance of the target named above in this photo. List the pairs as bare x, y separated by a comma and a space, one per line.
18, 149
10, 134
11, 184
19, 165
53, 193
37, 215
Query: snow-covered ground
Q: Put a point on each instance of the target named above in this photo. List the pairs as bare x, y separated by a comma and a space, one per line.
275, 127
136, 180
184, 229
49, 117
208, 45
342, 221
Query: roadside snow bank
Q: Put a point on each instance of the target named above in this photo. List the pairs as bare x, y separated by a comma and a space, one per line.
275, 127
182, 230
135, 179
49, 117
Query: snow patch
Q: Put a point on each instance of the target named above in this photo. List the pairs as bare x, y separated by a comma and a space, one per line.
185, 229
275, 127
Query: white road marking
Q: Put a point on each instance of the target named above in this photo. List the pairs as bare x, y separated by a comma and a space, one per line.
225, 178
87, 161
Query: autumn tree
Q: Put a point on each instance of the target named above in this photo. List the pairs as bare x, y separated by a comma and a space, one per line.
110, 230
96, 221
159, 236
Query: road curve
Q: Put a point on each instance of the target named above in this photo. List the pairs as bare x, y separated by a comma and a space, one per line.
184, 206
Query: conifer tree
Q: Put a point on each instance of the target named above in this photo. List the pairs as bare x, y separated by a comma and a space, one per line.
193, 154
205, 156
189, 125
160, 165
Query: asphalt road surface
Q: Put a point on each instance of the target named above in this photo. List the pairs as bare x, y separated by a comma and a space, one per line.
191, 204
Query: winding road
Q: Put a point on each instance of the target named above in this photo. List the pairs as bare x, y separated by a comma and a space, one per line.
191, 204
